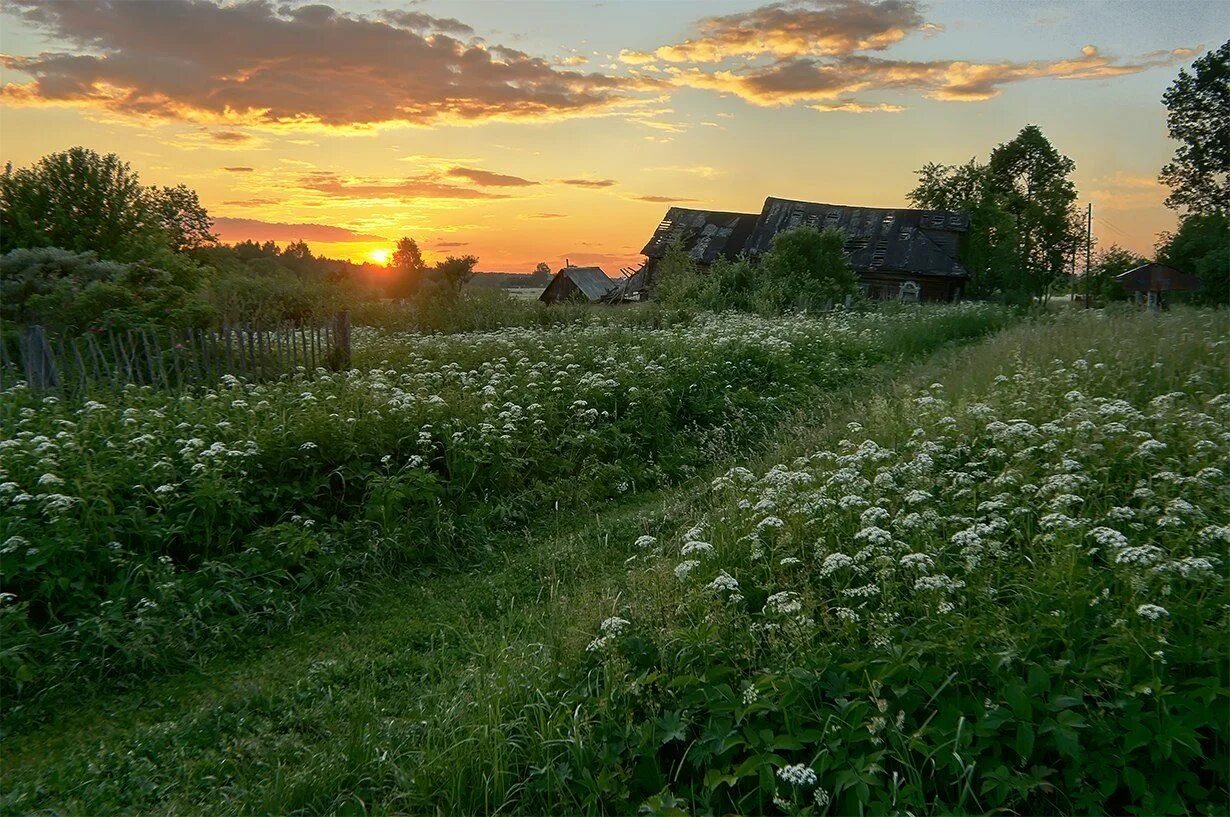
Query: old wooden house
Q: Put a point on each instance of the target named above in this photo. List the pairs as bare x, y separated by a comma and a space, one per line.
897, 253
705, 235
571, 283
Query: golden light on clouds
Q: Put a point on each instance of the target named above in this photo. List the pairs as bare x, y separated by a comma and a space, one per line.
340, 127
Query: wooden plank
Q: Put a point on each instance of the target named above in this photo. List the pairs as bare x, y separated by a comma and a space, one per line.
84, 379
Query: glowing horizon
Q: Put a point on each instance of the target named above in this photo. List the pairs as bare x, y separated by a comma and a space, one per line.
472, 128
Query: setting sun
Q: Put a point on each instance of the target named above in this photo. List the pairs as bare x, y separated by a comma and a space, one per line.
379, 256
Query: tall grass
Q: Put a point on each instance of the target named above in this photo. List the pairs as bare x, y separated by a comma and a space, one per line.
145, 532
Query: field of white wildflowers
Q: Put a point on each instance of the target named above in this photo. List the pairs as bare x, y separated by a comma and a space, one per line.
137, 529
1004, 595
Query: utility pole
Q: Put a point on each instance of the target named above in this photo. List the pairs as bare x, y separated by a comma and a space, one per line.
1088, 249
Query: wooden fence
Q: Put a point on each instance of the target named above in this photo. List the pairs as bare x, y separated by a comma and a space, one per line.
169, 359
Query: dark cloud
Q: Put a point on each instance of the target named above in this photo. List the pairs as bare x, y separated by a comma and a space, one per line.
230, 137
793, 29
486, 178
255, 63
449, 244
419, 22
251, 229
239, 169
593, 183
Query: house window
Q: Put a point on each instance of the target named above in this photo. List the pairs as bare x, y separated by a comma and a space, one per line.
910, 291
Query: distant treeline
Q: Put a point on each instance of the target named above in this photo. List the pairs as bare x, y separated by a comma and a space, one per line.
87, 247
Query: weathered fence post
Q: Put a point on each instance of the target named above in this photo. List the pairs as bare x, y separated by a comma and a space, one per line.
37, 359
339, 355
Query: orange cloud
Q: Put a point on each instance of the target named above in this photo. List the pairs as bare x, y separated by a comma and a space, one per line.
413, 187
663, 199
257, 63
488, 179
591, 183
251, 229
830, 82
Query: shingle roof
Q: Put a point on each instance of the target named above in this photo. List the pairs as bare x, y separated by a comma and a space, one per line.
1157, 278
706, 234
914, 241
590, 280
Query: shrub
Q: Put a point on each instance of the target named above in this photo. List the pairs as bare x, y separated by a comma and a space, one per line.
805, 269
74, 292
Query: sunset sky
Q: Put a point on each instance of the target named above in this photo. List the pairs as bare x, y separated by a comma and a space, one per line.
533, 131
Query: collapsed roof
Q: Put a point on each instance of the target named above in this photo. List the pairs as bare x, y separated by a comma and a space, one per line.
920, 242
707, 235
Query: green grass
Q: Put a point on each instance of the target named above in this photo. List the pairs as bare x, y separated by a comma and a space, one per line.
332, 717
474, 692
144, 531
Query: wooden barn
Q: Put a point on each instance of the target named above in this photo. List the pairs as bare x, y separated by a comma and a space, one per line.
571, 283
896, 253
706, 236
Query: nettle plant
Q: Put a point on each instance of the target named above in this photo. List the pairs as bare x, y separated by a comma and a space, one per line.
1015, 600
207, 514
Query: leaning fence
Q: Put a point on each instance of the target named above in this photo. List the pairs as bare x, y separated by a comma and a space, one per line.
168, 358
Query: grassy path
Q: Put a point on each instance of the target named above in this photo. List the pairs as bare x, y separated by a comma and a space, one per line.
394, 710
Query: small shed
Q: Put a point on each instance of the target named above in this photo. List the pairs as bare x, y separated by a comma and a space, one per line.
589, 284
1154, 281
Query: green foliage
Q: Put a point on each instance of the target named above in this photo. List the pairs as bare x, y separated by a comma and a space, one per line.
78, 200
75, 292
804, 269
1000, 595
407, 269
1024, 229
1201, 247
1198, 117
266, 286
1112, 261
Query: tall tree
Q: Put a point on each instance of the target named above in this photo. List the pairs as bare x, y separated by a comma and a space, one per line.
1198, 116
989, 249
178, 213
76, 200
1033, 180
407, 267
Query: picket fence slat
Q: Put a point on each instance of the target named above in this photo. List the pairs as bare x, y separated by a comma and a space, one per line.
170, 359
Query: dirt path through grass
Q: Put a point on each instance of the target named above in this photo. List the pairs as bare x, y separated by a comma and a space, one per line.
381, 711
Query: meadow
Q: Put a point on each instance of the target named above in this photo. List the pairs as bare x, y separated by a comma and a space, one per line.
144, 530
990, 580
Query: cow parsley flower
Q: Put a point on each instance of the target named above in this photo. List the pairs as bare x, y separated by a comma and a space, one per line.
1152, 612
798, 775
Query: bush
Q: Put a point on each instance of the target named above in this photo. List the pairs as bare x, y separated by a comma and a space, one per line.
73, 292
804, 269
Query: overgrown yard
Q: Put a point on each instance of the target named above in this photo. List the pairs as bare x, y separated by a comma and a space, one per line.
994, 583
144, 530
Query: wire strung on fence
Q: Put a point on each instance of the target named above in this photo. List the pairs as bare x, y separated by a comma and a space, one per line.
169, 358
